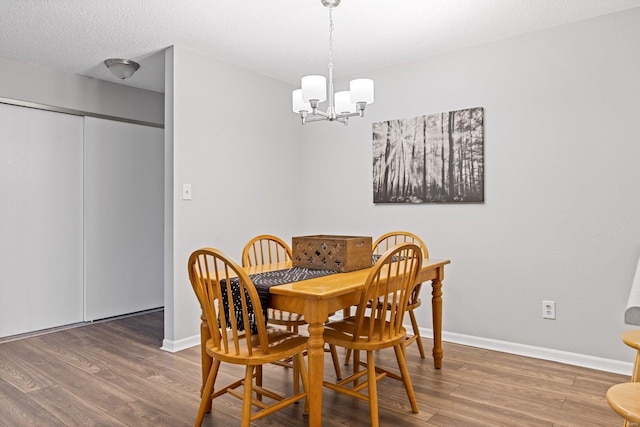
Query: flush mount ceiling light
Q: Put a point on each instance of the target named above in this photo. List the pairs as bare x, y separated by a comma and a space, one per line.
121, 68
343, 104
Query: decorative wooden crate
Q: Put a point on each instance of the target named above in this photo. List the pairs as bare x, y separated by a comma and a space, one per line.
335, 253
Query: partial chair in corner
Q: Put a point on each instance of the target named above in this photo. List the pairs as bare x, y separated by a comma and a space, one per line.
270, 249
624, 398
211, 272
388, 289
382, 244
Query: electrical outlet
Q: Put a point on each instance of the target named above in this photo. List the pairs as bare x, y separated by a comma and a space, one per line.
549, 309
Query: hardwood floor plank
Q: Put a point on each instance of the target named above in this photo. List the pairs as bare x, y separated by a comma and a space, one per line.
18, 409
72, 409
113, 373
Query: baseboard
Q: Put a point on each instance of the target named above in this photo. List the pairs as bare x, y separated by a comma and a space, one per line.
576, 359
175, 346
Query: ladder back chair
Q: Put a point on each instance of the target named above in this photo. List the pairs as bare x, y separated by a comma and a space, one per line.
217, 279
269, 249
387, 241
387, 289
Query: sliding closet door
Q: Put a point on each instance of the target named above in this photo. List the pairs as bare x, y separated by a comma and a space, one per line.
124, 181
40, 219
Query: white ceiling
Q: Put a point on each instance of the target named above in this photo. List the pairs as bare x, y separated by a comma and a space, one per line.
283, 39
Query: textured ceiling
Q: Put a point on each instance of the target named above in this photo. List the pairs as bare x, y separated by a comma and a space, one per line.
283, 39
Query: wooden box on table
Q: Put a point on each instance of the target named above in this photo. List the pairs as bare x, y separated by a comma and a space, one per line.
335, 253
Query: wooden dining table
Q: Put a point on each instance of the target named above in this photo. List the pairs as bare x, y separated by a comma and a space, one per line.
319, 297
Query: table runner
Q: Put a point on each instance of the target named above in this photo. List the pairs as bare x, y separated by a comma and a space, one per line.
262, 282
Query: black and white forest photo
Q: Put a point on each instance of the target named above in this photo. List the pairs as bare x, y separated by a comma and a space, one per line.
435, 158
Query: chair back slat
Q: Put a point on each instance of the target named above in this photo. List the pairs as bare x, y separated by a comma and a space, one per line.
265, 249
387, 292
209, 270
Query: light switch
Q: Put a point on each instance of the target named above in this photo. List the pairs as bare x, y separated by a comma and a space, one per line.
186, 191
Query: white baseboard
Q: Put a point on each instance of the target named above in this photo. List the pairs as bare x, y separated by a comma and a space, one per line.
576, 359
174, 346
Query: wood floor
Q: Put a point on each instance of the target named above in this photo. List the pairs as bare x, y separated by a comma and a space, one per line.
113, 374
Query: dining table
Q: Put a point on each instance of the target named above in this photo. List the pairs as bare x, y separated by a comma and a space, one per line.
318, 298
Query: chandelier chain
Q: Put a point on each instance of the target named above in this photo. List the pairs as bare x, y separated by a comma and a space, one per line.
330, 39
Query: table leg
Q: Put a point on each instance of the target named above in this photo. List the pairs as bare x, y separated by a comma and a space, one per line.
316, 373
436, 309
207, 361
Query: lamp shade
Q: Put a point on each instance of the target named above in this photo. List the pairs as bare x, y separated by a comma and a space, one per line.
343, 103
314, 87
298, 103
361, 90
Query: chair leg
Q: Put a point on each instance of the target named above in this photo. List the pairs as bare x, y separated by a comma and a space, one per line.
635, 376
304, 375
248, 395
206, 392
296, 375
373, 389
336, 361
356, 365
259, 379
346, 312
347, 356
416, 332
402, 364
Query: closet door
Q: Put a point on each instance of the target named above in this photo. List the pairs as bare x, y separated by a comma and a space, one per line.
123, 195
40, 219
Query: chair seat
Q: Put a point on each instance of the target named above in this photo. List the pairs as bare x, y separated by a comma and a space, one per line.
282, 344
624, 399
340, 333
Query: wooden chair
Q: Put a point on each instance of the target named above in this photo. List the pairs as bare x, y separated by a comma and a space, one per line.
388, 289
269, 249
211, 271
624, 399
382, 244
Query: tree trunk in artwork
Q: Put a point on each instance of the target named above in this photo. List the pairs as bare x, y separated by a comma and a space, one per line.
451, 187
387, 151
424, 158
442, 180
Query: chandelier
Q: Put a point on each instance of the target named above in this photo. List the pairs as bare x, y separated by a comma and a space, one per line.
343, 104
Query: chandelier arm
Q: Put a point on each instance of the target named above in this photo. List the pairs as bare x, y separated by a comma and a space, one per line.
319, 113
316, 118
347, 115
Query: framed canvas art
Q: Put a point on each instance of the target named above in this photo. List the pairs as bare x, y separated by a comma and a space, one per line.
435, 158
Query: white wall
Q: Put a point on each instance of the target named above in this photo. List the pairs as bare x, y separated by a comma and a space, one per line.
561, 218
32, 83
231, 136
